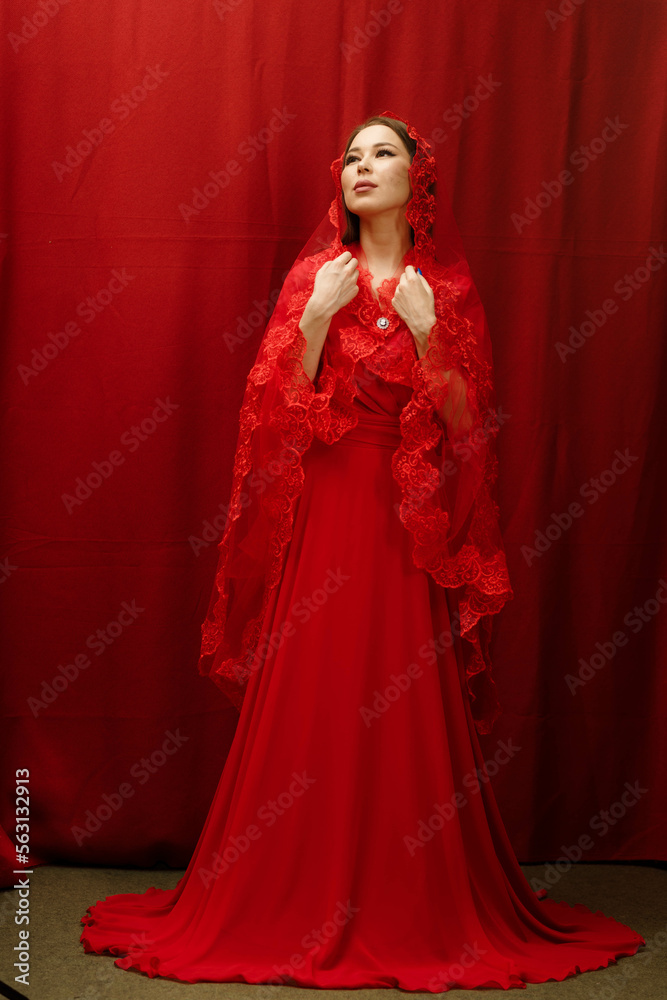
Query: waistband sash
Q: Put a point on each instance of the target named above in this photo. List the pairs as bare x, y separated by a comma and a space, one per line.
379, 430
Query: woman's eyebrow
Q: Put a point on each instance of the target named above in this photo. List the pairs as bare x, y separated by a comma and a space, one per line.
355, 149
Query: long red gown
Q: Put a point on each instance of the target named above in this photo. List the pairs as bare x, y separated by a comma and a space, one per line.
350, 842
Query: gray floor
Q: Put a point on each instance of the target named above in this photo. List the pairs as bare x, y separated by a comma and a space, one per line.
60, 969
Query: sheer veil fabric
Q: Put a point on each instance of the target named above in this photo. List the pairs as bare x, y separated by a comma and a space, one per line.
445, 473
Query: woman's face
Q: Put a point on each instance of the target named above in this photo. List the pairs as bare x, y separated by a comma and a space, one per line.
375, 172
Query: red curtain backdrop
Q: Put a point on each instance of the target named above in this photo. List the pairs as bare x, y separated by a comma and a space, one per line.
163, 165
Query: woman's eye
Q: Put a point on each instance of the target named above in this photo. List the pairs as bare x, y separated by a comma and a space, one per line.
351, 158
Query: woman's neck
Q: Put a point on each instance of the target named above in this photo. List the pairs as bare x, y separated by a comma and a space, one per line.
385, 241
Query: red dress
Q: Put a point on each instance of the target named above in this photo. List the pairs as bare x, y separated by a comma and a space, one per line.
351, 842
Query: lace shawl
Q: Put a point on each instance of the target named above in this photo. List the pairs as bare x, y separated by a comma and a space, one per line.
445, 463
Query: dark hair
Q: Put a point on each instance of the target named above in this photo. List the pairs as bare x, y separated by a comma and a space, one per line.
351, 234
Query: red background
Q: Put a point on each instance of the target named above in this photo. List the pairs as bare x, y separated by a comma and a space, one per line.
512, 95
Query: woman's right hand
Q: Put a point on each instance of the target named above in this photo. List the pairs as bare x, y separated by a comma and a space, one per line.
335, 285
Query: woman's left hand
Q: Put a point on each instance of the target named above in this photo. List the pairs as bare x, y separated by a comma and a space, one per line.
415, 304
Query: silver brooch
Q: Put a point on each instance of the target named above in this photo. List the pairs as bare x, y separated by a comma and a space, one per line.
383, 322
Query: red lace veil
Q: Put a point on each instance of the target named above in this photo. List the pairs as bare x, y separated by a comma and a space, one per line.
445, 464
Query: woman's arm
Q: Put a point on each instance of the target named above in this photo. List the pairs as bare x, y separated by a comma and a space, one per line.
314, 325
454, 412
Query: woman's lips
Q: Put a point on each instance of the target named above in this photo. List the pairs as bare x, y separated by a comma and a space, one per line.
365, 187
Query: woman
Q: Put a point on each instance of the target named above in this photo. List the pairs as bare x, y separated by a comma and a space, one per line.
354, 840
